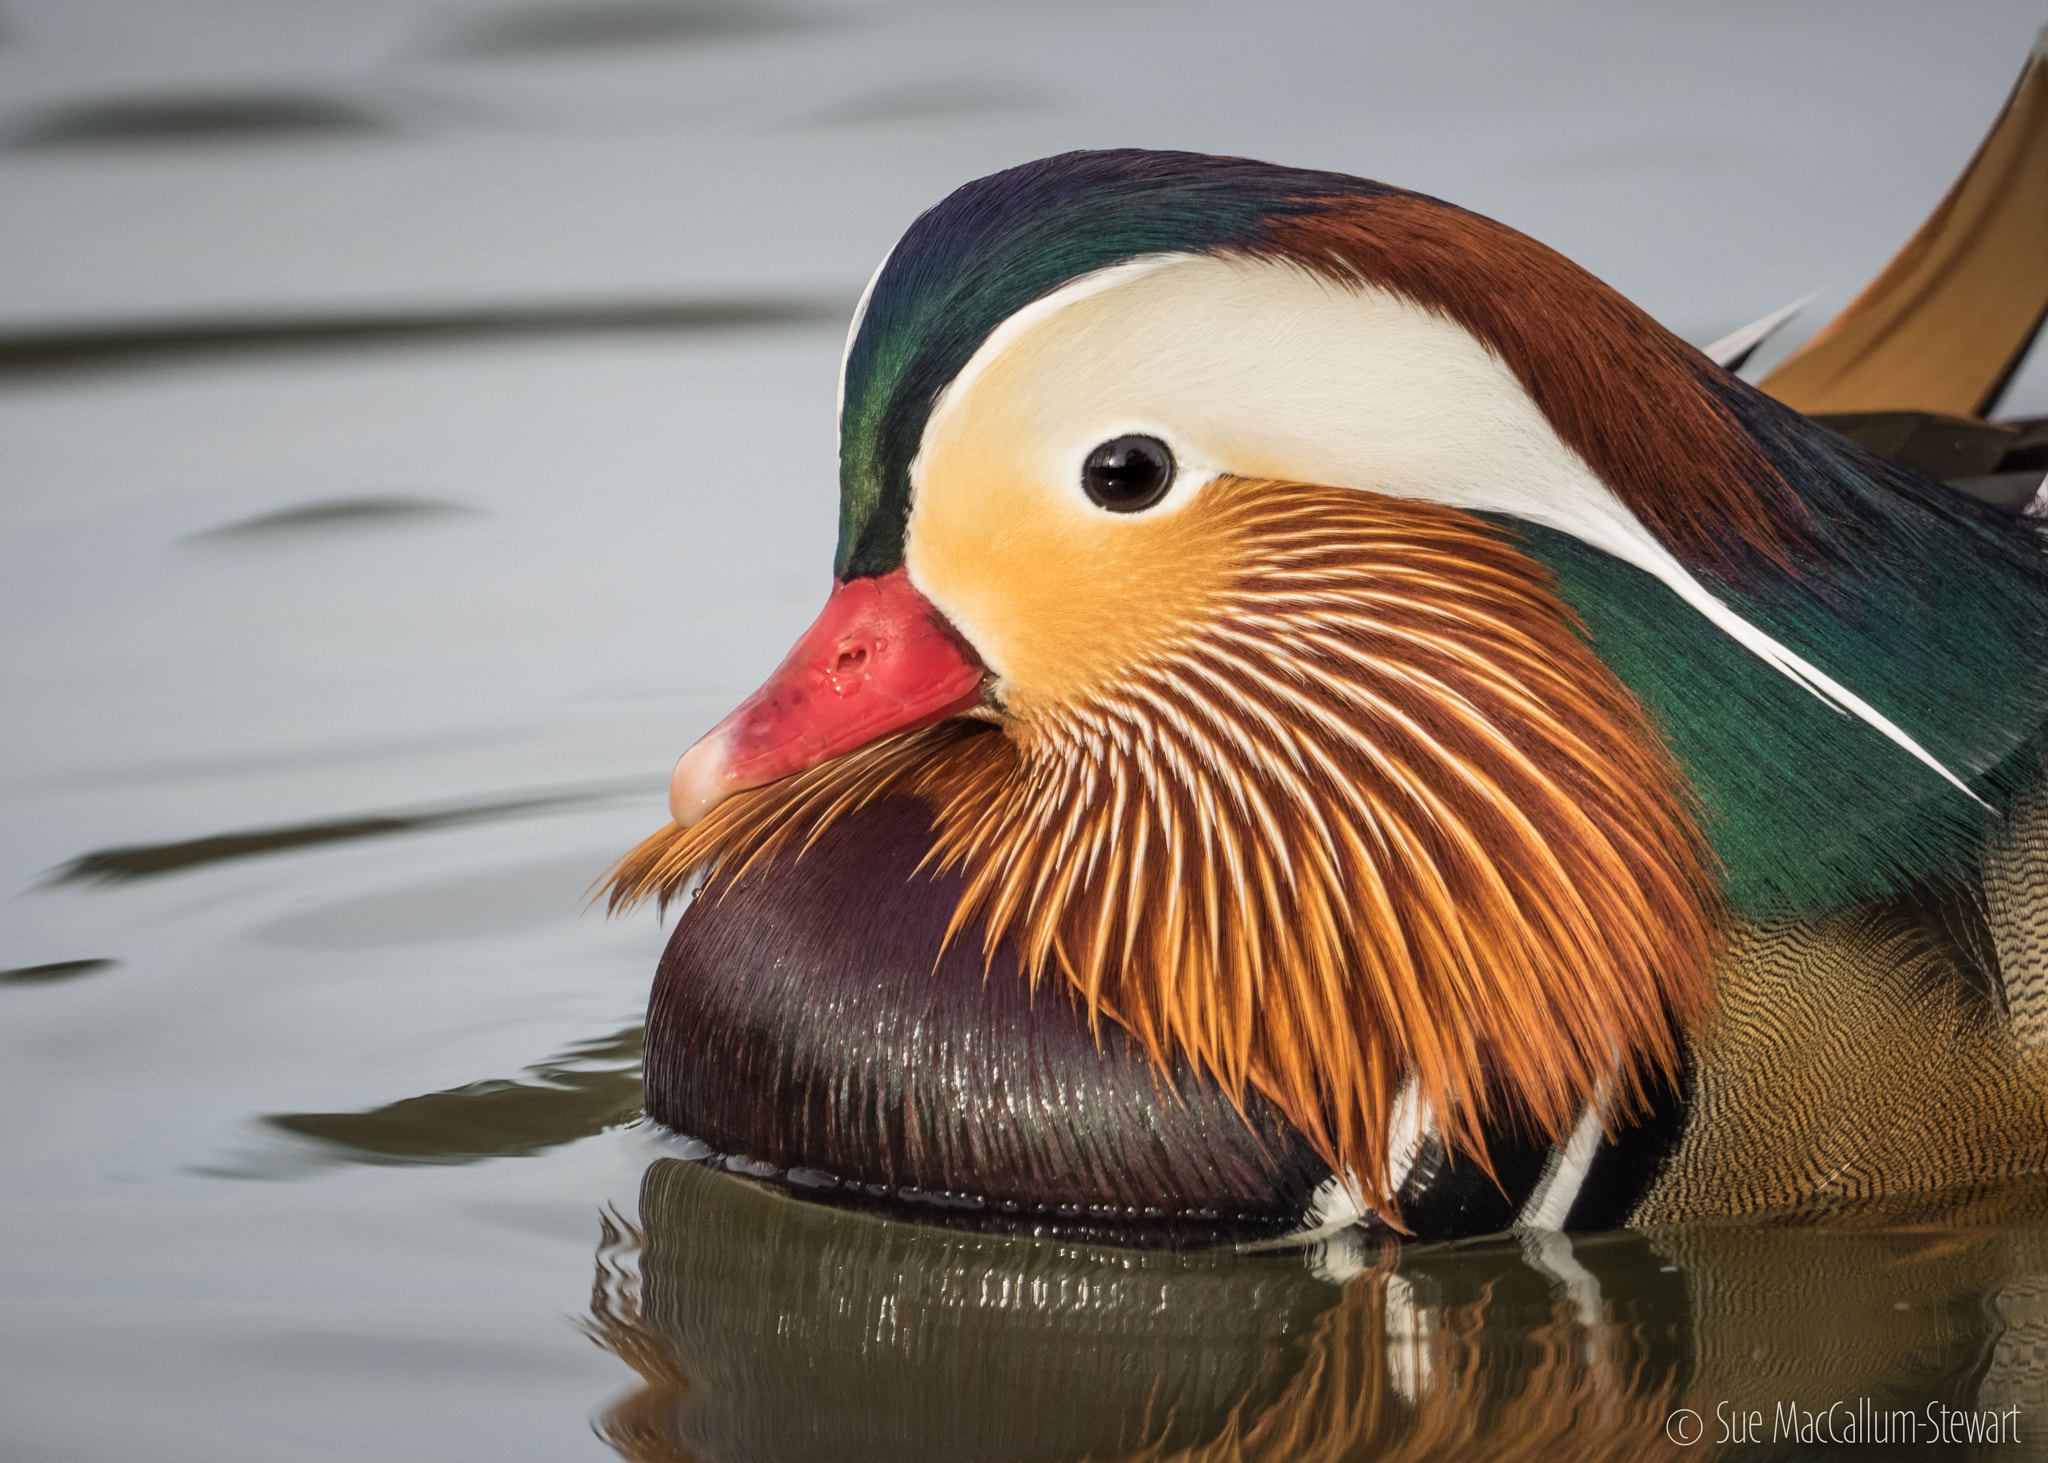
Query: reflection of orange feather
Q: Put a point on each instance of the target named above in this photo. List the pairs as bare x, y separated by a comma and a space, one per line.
1375, 810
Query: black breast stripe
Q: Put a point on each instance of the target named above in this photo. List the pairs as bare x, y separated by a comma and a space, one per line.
1625, 1166
1446, 1199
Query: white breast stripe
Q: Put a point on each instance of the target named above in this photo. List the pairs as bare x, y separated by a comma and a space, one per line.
1404, 1135
1563, 1175
1336, 1204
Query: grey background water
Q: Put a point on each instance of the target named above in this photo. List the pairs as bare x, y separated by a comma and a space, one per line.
415, 428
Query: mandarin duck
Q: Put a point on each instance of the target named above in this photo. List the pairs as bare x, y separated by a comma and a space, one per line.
1327, 713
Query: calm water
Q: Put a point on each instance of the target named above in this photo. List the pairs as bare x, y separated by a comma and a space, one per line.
415, 428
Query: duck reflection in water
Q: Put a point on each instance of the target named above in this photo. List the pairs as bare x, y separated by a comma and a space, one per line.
767, 1329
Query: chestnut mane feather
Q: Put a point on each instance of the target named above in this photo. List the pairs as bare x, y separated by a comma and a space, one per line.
1377, 812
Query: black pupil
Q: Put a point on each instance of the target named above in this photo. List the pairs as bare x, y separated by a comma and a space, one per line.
1126, 474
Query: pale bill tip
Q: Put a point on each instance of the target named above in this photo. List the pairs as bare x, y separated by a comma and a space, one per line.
700, 782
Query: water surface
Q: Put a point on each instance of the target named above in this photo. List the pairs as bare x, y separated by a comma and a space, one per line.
415, 429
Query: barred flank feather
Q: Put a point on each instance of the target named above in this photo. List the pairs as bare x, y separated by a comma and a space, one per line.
1375, 811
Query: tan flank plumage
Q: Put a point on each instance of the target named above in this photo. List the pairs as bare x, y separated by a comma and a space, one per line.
1849, 1058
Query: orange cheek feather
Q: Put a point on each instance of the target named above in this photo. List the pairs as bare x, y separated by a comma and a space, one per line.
1316, 788
1057, 596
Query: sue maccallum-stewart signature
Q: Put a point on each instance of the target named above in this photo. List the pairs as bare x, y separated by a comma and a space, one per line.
1857, 1421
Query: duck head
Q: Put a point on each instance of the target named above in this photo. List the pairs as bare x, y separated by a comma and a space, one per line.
1347, 652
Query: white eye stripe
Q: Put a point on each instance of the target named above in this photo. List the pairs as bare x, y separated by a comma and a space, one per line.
1264, 370
1007, 334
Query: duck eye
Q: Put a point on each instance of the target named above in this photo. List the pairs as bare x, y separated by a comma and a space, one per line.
1128, 474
